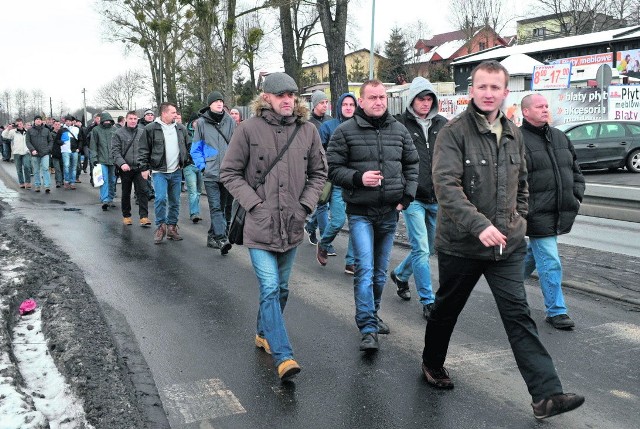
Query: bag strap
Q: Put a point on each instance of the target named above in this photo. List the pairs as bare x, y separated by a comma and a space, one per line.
135, 136
217, 127
280, 155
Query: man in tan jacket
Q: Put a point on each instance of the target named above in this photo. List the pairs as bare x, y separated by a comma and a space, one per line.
278, 205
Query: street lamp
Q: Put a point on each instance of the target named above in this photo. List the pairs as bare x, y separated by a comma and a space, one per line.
373, 19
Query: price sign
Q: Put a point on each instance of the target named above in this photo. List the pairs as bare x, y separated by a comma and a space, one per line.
552, 76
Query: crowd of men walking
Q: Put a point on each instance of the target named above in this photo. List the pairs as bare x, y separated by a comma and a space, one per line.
470, 189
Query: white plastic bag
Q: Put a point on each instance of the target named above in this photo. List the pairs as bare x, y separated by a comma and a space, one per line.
98, 178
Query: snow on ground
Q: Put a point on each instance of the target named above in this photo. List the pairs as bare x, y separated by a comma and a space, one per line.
45, 399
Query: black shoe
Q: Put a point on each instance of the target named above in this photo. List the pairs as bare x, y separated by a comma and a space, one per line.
105, 207
403, 287
437, 377
195, 218
369, 342
47, 190
426, 310
214, 244
331, 251
561, 321
313, 239
556, 404
350, 269
225, 246
383, 328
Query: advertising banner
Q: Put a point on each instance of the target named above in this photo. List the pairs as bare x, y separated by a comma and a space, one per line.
628, 62
624, 103
588, 60
552, 76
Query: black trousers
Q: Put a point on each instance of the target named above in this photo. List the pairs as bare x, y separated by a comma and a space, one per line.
458, 277
129, 178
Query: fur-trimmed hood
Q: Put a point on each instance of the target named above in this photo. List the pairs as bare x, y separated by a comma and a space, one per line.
261, 108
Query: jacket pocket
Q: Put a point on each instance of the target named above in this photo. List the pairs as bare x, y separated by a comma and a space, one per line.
476, 169
296, 224
259, 226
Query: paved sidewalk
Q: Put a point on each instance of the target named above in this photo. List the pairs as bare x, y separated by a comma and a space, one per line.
606, 274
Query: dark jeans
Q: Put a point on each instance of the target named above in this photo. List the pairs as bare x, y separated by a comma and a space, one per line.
458, 276
134, 178
219, 209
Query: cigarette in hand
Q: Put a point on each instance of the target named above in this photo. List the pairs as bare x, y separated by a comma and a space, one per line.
501, 250
379, 182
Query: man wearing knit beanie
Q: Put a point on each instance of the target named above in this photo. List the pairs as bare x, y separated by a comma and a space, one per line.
212, 133
319, 106
319, 219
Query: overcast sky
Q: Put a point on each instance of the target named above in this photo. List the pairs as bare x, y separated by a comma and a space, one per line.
58, 47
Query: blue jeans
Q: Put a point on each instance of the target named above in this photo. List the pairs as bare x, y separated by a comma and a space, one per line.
217, 196
420, 220
107, 189
372, 238
191, 177
41, 170
542, 254
167, 187
23, 168
272, 270
337, 208
319, 219
69, 164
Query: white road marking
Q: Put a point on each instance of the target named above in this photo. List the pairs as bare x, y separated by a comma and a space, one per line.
201, 400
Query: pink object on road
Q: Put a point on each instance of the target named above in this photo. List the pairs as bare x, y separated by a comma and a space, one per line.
27, 306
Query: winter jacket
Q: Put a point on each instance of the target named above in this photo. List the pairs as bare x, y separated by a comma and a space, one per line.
556, 184
18, 141
327, 128
210, 142
479, 183
61, 138
57, 143
125, 146
39, 139
100, 141
355, 147
424, 142
292, 188
319, 121
152, 154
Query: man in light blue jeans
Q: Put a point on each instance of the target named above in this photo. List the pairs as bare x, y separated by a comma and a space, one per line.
424, 122
556, 187
373, 159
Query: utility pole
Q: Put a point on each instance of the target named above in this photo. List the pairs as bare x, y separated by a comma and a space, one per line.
50, 108
84, 105
373, 20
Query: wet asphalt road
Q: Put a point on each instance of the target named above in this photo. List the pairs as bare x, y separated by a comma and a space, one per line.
193, 312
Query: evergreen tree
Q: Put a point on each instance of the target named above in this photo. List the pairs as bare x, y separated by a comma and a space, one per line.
357, 73
397, 53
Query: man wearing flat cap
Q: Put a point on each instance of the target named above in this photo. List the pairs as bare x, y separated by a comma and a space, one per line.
212, 133
277, 200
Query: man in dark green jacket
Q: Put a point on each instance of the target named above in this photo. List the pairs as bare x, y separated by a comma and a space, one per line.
480, 179
100, 146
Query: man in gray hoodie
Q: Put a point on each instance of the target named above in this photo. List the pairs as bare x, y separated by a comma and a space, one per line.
423, 122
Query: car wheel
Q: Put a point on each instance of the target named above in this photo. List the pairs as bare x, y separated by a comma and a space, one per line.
633, 161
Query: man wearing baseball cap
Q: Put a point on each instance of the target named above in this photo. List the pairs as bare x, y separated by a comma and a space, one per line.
278, 204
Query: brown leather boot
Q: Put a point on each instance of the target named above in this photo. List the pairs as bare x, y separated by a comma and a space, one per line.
160, 233
172, 233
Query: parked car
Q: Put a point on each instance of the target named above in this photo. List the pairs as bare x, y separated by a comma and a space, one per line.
605, 144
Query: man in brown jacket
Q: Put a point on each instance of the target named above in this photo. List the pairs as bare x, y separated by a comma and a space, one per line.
278, 205
480, 180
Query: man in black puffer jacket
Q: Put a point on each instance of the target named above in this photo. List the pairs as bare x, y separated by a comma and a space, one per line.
556, 188
373, 159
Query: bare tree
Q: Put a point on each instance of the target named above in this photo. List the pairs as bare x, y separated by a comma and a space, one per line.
587, 16
121, 92
333, 17
251, 35
21, 98
471, 16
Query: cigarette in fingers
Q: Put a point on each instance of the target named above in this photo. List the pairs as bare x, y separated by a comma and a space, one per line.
501, 249
379, 182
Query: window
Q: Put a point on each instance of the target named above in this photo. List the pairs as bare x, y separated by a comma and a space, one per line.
539, 32
611, 130
482, 46
583, 132
635, 129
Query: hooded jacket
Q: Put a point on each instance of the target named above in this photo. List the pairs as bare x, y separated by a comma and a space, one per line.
479, 182
125, 146
18, 141
210, 142
327, 128
100, 142
356, 147
292, 188
556, 184
39, 139
424, 133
